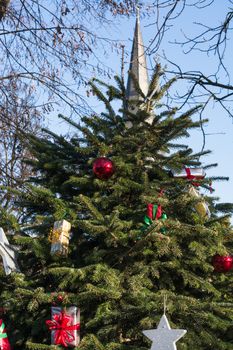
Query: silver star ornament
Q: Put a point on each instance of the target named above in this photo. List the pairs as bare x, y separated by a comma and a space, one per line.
164, 338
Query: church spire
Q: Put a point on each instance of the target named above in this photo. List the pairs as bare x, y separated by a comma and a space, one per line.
138, 64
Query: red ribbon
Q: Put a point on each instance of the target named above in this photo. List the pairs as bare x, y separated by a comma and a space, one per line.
191, 177
62, 324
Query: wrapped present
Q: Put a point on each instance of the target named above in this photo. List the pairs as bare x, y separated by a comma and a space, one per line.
4, 342
189, 173
59, 237
8, 254
154, 212
65, 326
201, 207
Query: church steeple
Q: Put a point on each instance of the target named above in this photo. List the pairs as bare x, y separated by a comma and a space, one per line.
138, 64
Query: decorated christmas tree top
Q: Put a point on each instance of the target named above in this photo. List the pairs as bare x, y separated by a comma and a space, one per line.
112, 265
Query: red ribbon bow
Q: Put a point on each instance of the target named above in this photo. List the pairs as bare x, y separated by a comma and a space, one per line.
62, 324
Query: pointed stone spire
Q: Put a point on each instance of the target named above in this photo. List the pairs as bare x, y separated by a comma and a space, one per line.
138, 64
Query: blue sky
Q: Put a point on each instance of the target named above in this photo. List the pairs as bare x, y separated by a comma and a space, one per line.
219, 129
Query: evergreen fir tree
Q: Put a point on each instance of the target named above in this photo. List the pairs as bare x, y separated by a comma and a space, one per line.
120, 266
117, 271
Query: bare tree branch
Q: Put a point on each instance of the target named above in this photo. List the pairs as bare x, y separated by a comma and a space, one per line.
57, 42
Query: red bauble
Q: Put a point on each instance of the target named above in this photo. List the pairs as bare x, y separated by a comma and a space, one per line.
222, 263
103, 168
60, 298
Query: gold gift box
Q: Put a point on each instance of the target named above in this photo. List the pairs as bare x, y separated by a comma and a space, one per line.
60, 237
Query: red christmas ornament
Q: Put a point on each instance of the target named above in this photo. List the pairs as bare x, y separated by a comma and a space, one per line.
57, 299
222, 263
60, 298
103, 168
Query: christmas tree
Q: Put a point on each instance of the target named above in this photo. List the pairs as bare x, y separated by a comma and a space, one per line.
140, 232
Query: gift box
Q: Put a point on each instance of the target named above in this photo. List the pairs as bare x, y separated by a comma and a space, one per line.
64, 326
60, 236
4, 342
189, 173
154, 212
201, 207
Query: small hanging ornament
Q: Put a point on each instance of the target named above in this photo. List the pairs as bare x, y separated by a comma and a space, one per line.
222, 263
4, 342
58, 298
190, 174
64, 326
201, 207
164, 337
103, 168
59, 237
154, 212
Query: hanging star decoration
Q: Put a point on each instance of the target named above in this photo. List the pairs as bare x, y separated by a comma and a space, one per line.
164, 338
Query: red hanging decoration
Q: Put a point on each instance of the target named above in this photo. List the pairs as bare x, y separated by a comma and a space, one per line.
222, 263
64, 327
103, 168
154, 212
190, 174
4, 342
59, 299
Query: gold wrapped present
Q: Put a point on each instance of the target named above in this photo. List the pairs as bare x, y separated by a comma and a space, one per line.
201, 207
59, 237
